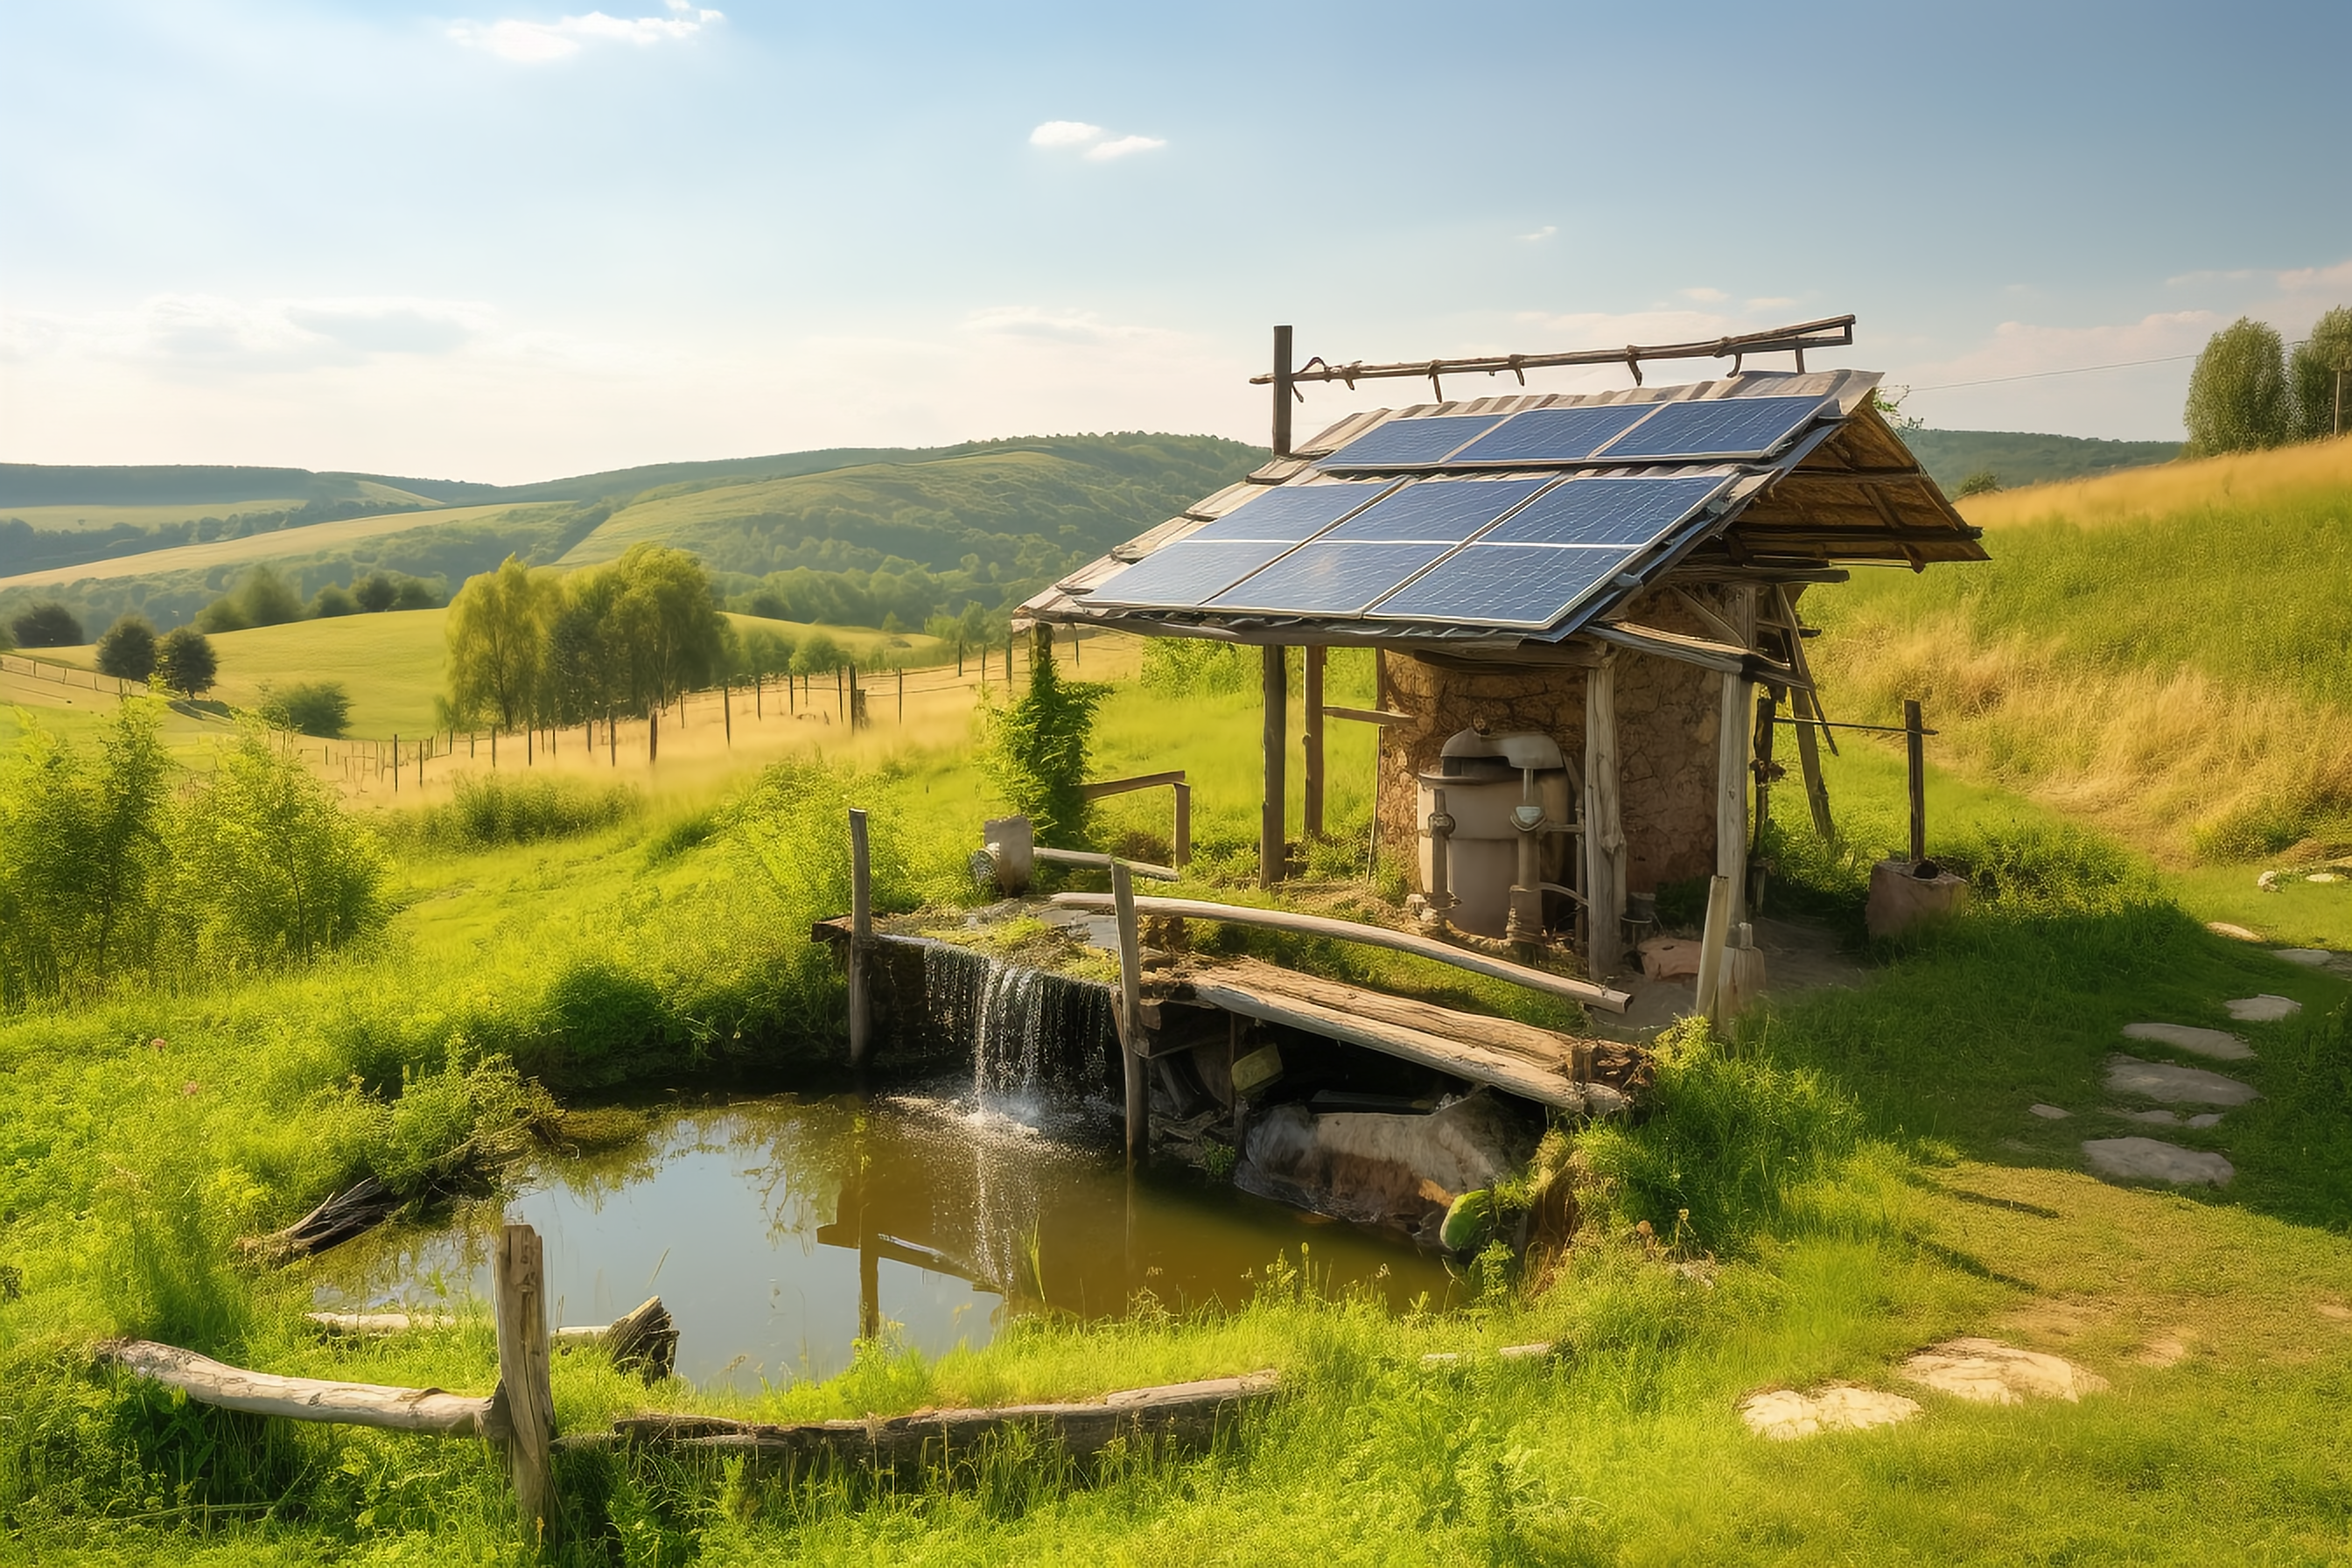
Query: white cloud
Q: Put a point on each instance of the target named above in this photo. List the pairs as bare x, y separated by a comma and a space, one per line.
1063, 133
188, 333
1038, 323
537, 43
1544, 233
1706, 296
1121, 146
2123, 380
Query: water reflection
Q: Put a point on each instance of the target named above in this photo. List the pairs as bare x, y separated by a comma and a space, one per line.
779, 1231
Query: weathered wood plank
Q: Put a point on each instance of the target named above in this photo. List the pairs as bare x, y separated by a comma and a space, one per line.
526, 1396
209, 1382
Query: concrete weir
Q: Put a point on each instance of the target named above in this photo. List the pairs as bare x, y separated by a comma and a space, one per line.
1378, 1109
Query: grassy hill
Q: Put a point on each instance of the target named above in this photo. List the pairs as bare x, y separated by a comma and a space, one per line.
2168, 653
2017, 457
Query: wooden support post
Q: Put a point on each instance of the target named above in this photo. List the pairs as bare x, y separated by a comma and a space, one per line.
902, 698
653, 737
1274, 683
518, 1287
1130, 1016
1809, 758
1712, 936
1731, 793
1310, 740
840, 693
613, 739
395, 764
1282, 392
530, 733
861, 942
1181, 849
726, 708
1604, 827
1915, 749
1765, 714
759, 694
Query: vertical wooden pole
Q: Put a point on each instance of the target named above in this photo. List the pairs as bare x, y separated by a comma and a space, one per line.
861, 937
1130, 1016
612, 740
726, 707
1914, 748
759, 694
1731, 793
518, 1287
1274, 685
395, 764
1809, 757
902, 698
1714, 938
840, 695
1766, 711
1182, 854
1604, 827
1282, 394
1310, 740
653, 737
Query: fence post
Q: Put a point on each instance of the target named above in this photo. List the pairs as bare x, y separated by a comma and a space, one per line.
1130, 1016
396, 763
519, 1286
1915, 753
861, 937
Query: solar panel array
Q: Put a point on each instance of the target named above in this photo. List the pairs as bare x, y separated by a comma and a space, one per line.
1711, 429
1500, 551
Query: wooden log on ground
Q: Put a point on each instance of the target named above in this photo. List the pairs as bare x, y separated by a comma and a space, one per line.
1575, 990
375, 1325
645, 1339
209, 1382
1179, 1417
355, 1210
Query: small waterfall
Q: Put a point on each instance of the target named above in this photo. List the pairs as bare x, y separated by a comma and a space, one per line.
1032, 1033
1008, 1037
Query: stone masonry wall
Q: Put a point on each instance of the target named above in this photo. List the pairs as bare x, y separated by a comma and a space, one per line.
1668, 719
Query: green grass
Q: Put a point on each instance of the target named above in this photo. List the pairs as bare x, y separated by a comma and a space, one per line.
1860, 1175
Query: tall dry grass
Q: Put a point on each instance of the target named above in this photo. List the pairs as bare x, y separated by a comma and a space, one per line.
2240, 479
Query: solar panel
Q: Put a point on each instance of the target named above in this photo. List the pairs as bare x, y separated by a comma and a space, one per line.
1624, 511
1714, 427
1552, 434
1329, 578
1415, 442
1186, 575
1444, 511
1505, 584
1288, 513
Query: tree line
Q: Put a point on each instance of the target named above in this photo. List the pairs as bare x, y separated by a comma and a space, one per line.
115, 866
2249, 393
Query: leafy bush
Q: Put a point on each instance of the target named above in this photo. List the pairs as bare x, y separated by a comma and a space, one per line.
2238, 391
1038, 749
46, 624
1183, 667
493, 809
126, 651
308, 708
186, 662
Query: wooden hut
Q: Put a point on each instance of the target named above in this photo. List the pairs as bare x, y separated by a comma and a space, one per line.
1586, 613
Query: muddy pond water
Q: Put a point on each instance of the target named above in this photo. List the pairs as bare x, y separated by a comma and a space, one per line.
779, 1231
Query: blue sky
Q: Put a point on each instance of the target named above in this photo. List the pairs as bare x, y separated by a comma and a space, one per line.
509, 240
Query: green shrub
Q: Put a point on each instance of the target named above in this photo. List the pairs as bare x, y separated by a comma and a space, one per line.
1038, 749
1184, 666
493, 809
308, 708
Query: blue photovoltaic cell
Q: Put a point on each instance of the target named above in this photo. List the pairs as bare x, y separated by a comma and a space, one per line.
1504, 585
1287, 512
1715, 427
1329, 579
1445, 511
1184, 573
1552, 434
1410, 442
1625, 512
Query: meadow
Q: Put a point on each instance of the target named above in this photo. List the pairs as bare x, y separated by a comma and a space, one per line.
1850, 1176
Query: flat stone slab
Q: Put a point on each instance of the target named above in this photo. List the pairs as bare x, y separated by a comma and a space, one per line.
2168, 1118
2219, 1044
2234, 932
2153, 1160
2175, 1085
2309, 957
1784, 1414
2263, 1009
2206, 1119
1994, 1373
2049, 1112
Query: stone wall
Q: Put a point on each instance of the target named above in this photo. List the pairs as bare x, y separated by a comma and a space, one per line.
1668, 719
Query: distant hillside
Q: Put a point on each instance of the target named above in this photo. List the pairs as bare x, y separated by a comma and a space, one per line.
2016, 458
857, 534
2164, 651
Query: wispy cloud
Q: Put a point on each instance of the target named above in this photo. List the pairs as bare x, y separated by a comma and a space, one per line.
1060, 133
207, 332
1706, 296
539, 43
1062, 326
1544, 233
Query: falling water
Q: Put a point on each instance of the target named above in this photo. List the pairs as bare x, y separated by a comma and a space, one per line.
1033, 1035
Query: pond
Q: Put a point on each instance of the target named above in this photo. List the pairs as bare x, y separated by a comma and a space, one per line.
778, 1231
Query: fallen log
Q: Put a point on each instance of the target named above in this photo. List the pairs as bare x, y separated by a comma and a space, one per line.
646, 1338
359, 1208
1179, 1417
208, 1382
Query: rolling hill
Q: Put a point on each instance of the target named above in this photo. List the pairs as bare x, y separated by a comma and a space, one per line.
2016, 458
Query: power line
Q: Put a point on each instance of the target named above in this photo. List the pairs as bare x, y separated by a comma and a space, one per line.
2038, 374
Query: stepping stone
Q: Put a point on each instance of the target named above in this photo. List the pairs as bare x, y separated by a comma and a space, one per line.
2175, 1085
2219, 1044
2263, 1009
2153, 1160
2168, 1118
2236, 933
1994, 1373
2323, 877
1784, 1414
2048, 1112
2309, 957
2206, 1119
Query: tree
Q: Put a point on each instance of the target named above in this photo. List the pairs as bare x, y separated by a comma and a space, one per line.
46, 624
2311, 374
586, 676
676, 636
497, 642
334, 599
1037, 748
764, 653
2238, 392
126, 651
265, 599
1983, 482
375, 591
308, 706
818, 655
186, 662
415, 593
